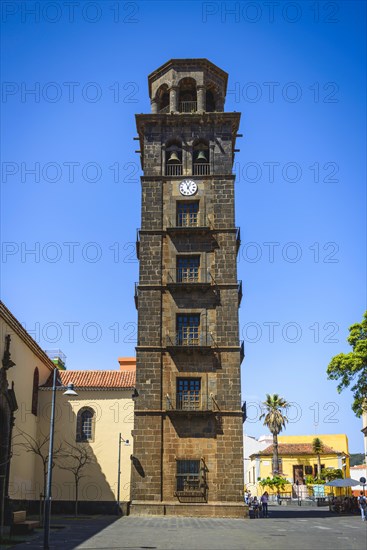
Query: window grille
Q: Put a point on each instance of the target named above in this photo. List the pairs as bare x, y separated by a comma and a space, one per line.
188, 394
187, 214
188, 327
188, 269
85, 425
188, 475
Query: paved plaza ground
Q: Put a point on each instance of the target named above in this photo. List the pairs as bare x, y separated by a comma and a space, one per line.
288, 527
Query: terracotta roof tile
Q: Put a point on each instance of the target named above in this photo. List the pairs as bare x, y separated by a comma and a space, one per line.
359, 467
95, 379
296, 449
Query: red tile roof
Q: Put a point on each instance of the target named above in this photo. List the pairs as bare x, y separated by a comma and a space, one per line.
95, 379
296, 449
359, 467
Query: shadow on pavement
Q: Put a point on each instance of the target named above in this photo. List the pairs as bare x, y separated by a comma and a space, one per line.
68, 532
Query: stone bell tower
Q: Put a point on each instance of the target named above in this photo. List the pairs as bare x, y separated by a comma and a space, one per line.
187, 457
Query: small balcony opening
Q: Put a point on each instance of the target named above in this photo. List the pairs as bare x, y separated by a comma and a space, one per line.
162, 97
210, 102
187, 96
174, 159
201, 159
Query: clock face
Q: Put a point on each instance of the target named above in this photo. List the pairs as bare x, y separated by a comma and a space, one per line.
188, 187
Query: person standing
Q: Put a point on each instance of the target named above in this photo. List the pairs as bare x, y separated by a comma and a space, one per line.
362, 503
264, 504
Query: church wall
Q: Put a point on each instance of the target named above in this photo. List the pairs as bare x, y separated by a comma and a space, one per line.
22, 466
113, 415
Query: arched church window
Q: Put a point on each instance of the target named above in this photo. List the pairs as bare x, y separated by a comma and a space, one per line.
85, 424
35, 391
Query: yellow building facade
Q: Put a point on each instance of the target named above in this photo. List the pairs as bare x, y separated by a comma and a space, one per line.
97, 423
297, 461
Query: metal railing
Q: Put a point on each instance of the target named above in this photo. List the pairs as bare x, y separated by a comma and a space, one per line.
201, 169
189, 219
242, 351
173, 169
190, 401
188, 106
137, 243
240, 293
136, 295
190, 338
189, 275
164, 110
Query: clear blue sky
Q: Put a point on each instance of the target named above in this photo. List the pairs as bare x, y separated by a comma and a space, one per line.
298, 77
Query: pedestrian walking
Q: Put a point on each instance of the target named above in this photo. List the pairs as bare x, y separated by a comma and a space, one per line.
362, 503
256, 507
264, 504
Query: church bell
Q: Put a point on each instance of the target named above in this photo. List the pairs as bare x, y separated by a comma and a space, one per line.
201, 157
173, 157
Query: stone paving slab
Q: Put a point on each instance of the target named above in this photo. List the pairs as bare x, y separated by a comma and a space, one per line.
292, 529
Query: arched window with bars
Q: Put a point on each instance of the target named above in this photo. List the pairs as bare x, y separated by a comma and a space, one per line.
35, 391
85, 424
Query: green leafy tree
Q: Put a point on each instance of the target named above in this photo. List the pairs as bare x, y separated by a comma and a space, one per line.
317, 448
275, 420
275, 482
331, 473
351, 368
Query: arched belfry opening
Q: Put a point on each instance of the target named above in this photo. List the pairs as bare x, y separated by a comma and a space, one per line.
162, 98
173, 158
201, 158
187, 98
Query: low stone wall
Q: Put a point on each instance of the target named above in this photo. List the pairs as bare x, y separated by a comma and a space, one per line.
211, 510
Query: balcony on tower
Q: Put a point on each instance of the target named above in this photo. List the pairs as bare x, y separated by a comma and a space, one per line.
186, 403
189, 219
190, 336
189, 276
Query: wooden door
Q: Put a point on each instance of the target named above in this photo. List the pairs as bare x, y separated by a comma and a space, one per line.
298, 474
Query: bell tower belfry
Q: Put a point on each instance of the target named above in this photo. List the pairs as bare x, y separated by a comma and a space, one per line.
188, 440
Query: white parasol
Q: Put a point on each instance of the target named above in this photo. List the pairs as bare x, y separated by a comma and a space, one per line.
347, 482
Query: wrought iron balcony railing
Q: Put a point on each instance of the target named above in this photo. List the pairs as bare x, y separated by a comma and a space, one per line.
188, 106
173, 169
191, 339
164, 110
201, 169
242, 351
238, 238
137, 244
190, 401
240, 294
190, 276
189, 221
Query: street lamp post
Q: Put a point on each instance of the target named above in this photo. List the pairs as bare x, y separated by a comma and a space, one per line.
69, 391
126, 441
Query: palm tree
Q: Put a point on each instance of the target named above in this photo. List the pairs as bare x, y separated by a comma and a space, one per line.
318, 447
275, 420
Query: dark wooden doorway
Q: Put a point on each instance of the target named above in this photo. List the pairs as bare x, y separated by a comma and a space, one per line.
298, 474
